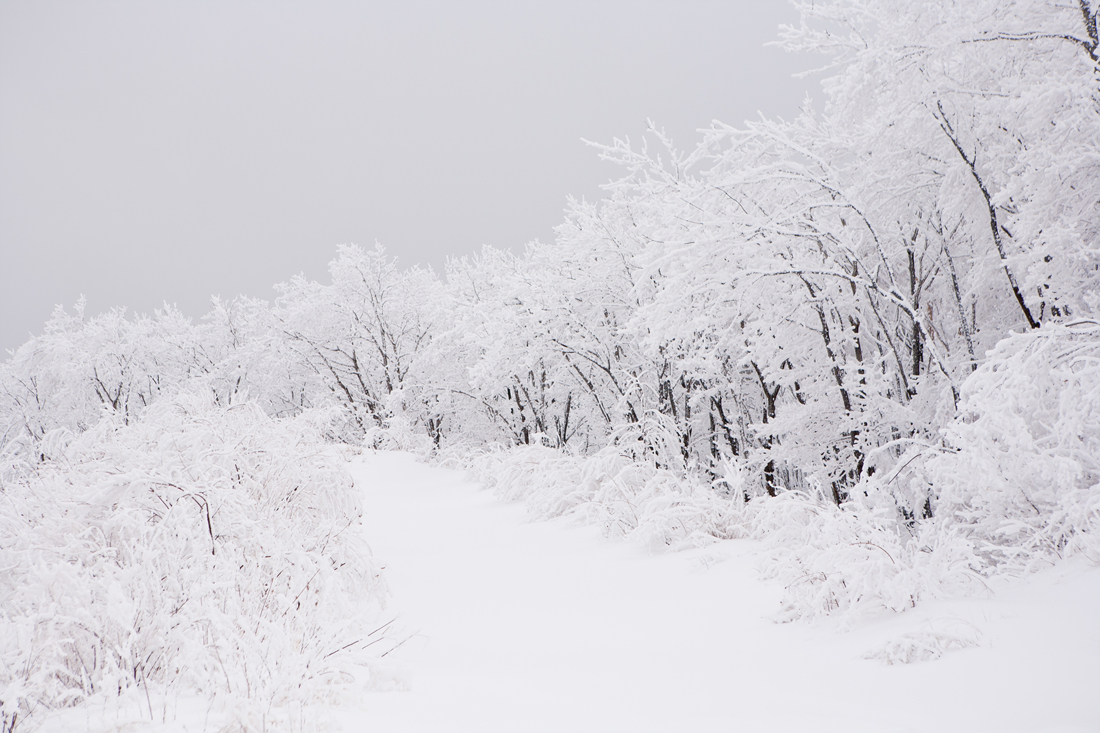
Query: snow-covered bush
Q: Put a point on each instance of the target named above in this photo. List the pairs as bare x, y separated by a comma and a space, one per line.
1016, 487
854, 560
1022, 476
199, 549
623, 496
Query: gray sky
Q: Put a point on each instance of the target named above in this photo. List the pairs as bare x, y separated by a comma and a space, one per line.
170, 151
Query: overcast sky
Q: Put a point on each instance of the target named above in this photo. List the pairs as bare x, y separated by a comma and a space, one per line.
170, 151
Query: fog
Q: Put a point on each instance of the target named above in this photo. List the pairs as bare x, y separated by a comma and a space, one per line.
168, 152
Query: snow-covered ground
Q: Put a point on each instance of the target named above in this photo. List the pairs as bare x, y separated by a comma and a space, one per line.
522, 626
515, 625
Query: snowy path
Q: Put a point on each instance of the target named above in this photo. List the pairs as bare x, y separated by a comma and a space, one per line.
546, 627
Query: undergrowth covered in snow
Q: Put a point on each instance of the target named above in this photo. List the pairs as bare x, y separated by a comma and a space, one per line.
201, 549
623, 496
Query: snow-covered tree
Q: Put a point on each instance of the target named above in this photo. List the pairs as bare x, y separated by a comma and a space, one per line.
365, 335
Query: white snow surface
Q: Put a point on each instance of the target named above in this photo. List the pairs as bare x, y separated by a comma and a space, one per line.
516, 625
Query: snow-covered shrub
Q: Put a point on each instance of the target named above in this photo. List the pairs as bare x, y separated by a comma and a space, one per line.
855, 560
1017, 486
623, 496
198, 550
1022, 476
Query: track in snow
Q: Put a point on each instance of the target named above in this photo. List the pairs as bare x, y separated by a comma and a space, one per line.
547, 627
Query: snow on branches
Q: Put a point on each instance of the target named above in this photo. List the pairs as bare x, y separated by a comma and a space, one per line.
199, 549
